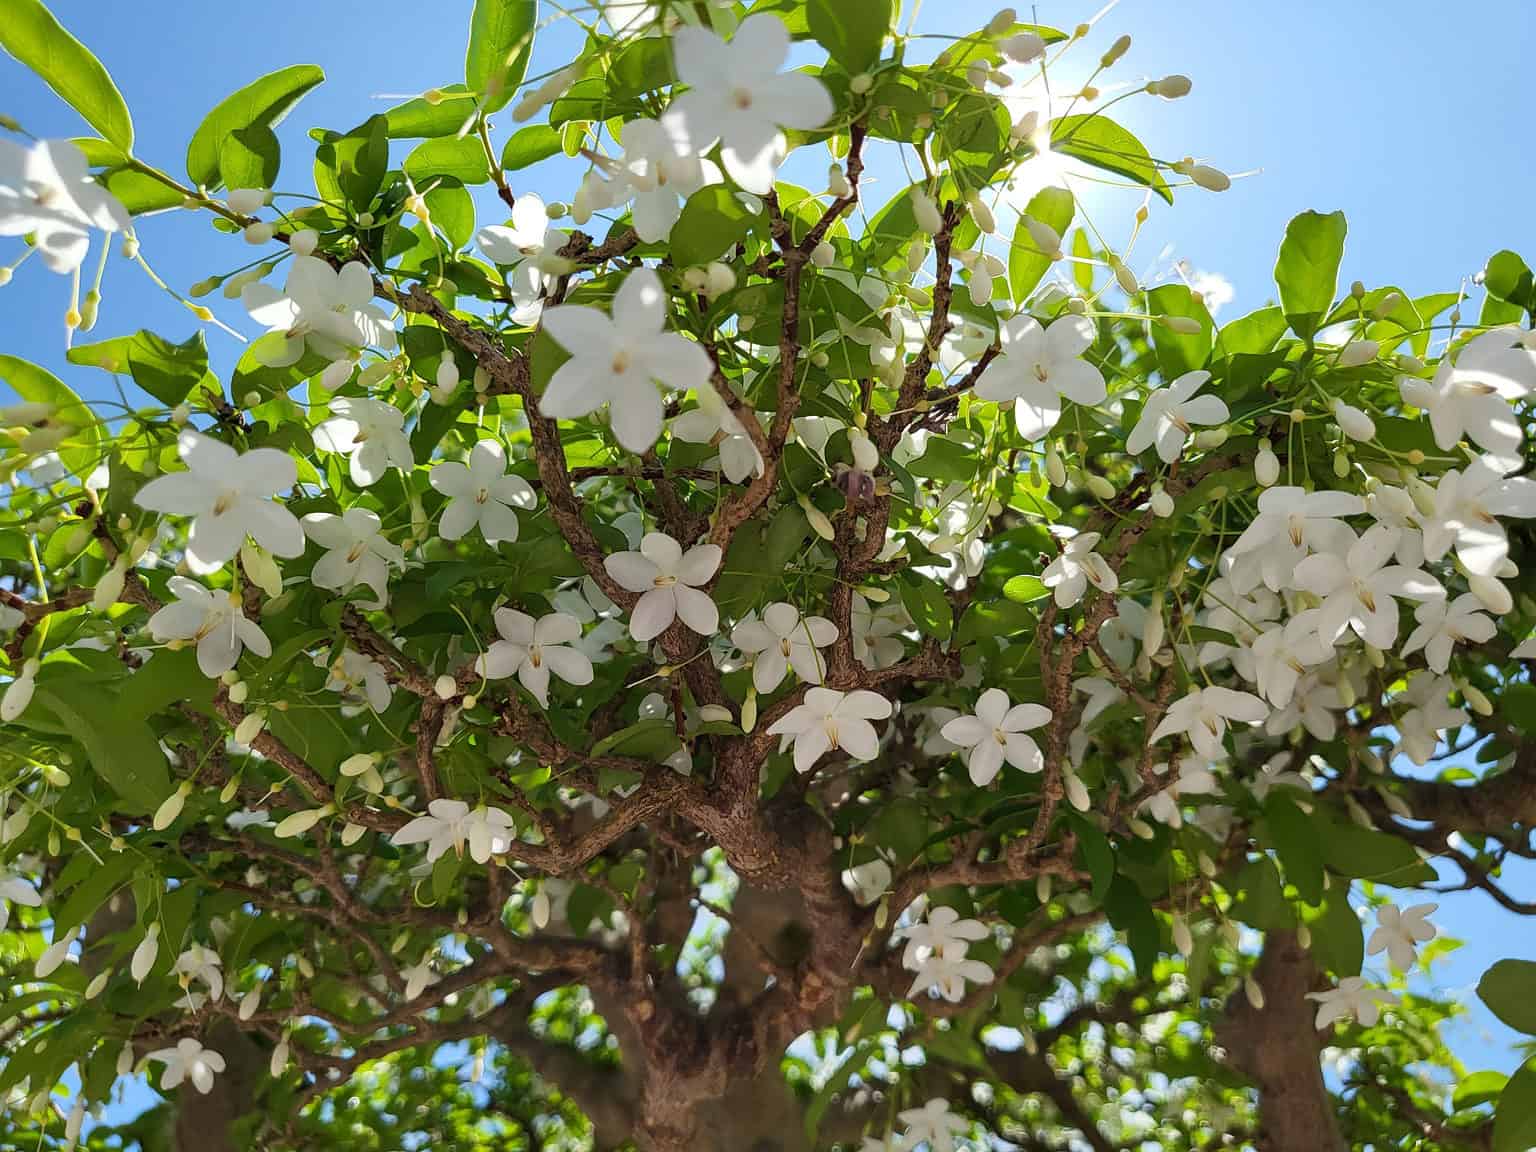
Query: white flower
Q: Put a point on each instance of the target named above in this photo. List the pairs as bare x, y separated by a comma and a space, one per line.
621, 361
1471, 396
481, 493
932, 1124
18, 693
1312, 704
784, 639
1443, 625
214, 620
1466, 510
1351, 999
189, 1060
229, 495
1359, 588
248, 818
1102, 694
712, 422
1292, 522
670, 583
1078, 566
356, 552
16, 890
942, 933
877, 632
1191, 777
328, 309
996, 732
1169, 414
1280, 655
46, 192
868, 881
371, 432
530, 247
1038, 366
418, 978
662, 169
359, 675
1203, 716
831, 719
738, 96
1525, 650
947, 975
1419, 728
1399, 932
450, 824
531, 650
200, 962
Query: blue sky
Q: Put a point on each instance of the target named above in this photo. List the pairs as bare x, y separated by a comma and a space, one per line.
1392, 112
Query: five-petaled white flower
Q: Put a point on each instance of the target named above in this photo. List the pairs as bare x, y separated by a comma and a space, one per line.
1400, 931
1203, 716
356, 552
942, 932
371, 432
831, 719
1192, 776
1359, 589
996, 732
933, 1124
737, 94
214, 620
229, 495
325, 308
1078, 566
481, 493
418, 978
450, 824
359, 675
1170, 414
189, 1060
1352, 998
622, 361
530, 247
1038, 366
670, 582
1470, 395
1291, 523
1467, 505
713, 422
1444, 624
16, 890
46, 192
531, 649
781, 640
662, 170
947, 974
1429, 713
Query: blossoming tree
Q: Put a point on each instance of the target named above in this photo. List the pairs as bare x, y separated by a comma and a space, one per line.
736, 663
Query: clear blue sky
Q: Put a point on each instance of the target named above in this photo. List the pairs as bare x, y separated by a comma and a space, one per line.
1404, 114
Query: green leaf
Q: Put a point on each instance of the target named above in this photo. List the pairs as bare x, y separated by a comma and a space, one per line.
1367, 854
350, 168
529, 145
1514, 1124
250, 158
1099, 141
166, 679
1307, 271
1338, 941
647, 740
260, 104
929, 607
1508, 278
500, 42
167, 371
92, 892
974, 137
453, 211
1477, 1089
852, 33
464, 160
34, 384
1261, 899
423, 118
30, 33
123, 751
712, 220
1025, 589
1130, 913
1509, 990
1295, 839
1026, 264
139, 193
1096, 853
1177, 352
1252, 334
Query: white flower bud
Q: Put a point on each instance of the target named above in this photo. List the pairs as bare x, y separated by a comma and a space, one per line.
1254, 993
144, 955
1183, 325
980, 285
1022, 47
1100, 487
247, 200
239, 692
861, 83
1055, 467
445, 688
18, 693
1211, 179
1358, 352
1492, 594
351, 833
1003, 20
981, 213
304, 242
1170, 87
1476, 698
1183, 938
823, 255
1046, 238
837, 182
1077, 791
298, 823
358, 763
540, 910
718, 278
1210, 438
1161, 503
250, 1002
171, 807
250, 727
125, 1060
866, 457
1353, 422
926, 212
98, 982
55, 954
1409, 363
279, 1060
447, 377
1266, 465
258, 233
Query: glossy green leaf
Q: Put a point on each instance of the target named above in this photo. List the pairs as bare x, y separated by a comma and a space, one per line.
349, 168
500, 42
1508, 278
167, 371
1307, 271
122, 751
1295, 838
1097, 140
1509, 990
1514, 1125
462, 159
1179, 352
29, 32
263, 103
530, 145
852, 33
1364, 853
444, 115
712, 221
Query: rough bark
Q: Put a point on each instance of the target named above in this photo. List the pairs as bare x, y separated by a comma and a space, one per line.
1279, 1049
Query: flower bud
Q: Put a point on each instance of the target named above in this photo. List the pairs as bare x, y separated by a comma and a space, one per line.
1479, 702
1266, 465
447, 378
1077, 791
539, 912
1211, 179
837, 182
719, 278
1353, 422
917, 253
1100, 487
1358, 352
110, 586
279, 1060
247, 200
1001, 21
250, 727
981, 213
1491, 593
249, 1003
258, 233
1161, 503
925, 212
1170, 87
351, 833
1183, 938
1210, 439
304, 242
1254, 993
171, 807
861, 83
824, 254
1119, 48
1183, 325
239, 692
1046, 238
445, 688
298, 823
1022, 47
